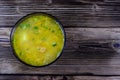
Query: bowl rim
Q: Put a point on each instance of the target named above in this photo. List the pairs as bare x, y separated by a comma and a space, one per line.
30, 14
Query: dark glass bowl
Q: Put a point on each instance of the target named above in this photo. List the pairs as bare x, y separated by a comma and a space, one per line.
22, 19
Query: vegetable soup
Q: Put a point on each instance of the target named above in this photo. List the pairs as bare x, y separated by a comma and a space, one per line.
38, 39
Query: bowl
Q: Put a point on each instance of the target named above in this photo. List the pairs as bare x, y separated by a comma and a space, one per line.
37, 39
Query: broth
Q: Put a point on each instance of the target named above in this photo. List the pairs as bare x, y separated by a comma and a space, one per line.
38, 39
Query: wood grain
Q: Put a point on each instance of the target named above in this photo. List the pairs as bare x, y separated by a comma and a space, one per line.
58, 78
100, 14
92, 33
88, 50
94, 78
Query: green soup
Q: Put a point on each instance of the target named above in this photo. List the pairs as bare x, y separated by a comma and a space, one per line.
38, 39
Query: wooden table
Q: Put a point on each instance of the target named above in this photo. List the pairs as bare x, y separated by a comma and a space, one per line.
92, 36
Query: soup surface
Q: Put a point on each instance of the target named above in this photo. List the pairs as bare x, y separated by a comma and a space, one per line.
38, 39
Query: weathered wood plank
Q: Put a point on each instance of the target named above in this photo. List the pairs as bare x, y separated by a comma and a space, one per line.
83, 15
23, 2
58, 78
88, 50
28, 78
78, 2
77, 20
94, 78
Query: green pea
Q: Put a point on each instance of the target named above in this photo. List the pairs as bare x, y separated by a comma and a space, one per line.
53, 31
24, 26
36, 28
54, 44
20, 53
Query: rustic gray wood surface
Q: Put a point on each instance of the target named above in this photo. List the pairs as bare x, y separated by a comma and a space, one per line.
92, 33
58, 78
